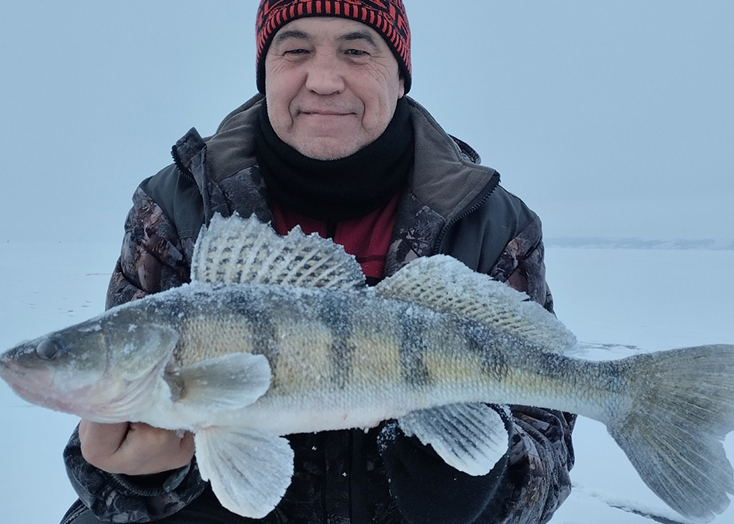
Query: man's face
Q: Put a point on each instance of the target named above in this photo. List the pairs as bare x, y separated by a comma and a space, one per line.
331, 85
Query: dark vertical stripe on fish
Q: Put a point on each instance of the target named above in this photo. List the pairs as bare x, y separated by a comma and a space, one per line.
492, 358
263, 329
337, 315
413, 347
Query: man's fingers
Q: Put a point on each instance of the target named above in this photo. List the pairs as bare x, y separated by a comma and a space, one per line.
187, 446
149, 450
100, 441
134, 448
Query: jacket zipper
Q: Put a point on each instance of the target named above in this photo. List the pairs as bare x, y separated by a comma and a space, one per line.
471, 208
179, 164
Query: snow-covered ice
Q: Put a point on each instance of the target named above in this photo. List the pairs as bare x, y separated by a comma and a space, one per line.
652, 300
631, 299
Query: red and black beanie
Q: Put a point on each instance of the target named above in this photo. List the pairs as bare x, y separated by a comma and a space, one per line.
387, 17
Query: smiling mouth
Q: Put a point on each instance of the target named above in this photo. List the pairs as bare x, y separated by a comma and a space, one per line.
323, 113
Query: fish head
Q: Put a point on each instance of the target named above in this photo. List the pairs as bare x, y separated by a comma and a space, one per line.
100, 369
57, 370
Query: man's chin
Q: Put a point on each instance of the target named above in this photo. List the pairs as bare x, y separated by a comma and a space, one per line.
326, 150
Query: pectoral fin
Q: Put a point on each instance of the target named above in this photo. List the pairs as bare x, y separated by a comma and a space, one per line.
469, 437
224, 383
249, 470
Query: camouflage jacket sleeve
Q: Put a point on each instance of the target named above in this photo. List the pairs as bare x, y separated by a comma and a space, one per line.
541, 449
152, 259
532, 479
522, 265
121, 498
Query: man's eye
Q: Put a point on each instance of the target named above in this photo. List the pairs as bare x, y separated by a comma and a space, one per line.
356, 52
295, 52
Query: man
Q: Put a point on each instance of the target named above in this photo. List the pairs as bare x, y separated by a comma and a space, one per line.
333, 145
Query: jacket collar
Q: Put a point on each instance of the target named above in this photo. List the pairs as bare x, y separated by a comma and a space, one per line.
446, 176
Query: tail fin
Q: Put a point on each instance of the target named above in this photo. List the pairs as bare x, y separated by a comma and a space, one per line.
682, 409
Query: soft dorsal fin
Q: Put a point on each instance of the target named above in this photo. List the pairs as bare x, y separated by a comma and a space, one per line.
236, 250
444, 284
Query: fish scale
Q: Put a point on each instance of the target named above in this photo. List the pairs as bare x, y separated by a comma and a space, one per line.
370, 362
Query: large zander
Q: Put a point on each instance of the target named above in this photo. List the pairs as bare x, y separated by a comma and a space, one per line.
279, 335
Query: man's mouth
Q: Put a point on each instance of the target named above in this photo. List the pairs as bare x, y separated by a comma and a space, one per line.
326, 112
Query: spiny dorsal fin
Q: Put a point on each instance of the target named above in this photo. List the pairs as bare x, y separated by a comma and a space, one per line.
234, 250
444, 284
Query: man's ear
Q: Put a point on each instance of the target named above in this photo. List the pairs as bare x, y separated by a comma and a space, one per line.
401, 92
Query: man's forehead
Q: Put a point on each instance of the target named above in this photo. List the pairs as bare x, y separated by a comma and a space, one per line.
329, 27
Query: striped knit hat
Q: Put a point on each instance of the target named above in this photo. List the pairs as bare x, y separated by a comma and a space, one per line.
387, 17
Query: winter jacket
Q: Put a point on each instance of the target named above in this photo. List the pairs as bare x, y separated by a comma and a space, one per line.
452, 205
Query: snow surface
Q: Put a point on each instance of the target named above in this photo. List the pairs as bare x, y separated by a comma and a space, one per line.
630, 299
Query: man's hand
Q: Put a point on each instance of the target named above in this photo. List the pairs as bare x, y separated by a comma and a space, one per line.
134, 448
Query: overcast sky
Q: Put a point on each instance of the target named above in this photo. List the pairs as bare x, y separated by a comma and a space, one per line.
607, 118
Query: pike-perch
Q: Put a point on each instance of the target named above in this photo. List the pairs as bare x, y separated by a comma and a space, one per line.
278, 335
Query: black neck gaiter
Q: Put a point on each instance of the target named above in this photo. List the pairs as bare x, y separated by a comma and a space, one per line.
342, 189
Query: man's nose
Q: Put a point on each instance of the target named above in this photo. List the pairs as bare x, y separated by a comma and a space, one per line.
325, 76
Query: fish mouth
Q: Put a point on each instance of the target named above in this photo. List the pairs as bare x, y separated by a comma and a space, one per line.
39, 395
9, 371
15, 374
31, 385
31, 395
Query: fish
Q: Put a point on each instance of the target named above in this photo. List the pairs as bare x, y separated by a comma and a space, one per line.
277, 335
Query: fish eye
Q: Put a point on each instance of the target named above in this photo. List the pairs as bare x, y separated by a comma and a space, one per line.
49, 349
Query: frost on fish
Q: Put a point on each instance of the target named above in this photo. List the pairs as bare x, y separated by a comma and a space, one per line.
278, 335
